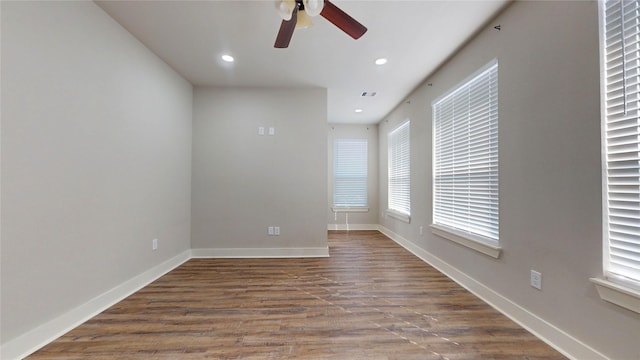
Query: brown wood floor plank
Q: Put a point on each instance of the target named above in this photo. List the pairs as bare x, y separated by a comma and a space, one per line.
370, 300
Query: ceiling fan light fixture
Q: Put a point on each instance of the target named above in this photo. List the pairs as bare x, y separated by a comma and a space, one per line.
313, 7
304, 21
285, 8
299, 18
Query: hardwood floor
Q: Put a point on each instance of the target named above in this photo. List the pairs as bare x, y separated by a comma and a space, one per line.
370, 300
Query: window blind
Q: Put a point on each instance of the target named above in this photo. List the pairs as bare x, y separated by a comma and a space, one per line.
621, 137
350, 173
399, 187
465, 129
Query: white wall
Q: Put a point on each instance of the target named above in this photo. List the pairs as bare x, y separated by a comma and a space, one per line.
96, 160
355, 220
243, 182
550, 171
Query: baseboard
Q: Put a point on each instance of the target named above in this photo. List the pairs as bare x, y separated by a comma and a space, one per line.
33, 340
348, 227
550, 334
260, 252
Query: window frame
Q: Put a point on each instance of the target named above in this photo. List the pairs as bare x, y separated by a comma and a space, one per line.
395, 208
352, 207
611, 287
465, 236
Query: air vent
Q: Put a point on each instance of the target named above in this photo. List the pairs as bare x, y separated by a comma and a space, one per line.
368, 94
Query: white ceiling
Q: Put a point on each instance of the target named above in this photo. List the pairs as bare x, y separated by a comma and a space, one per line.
416, 37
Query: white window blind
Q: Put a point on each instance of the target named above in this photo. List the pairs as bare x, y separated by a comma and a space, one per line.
465, 125
350, 173
399, 190
621, 137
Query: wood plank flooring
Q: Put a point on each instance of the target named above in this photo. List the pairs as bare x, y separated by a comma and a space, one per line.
370, 300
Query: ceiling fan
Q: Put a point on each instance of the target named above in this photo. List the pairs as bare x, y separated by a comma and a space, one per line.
295, 14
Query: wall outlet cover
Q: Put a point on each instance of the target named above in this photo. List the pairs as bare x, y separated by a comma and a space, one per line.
536, 279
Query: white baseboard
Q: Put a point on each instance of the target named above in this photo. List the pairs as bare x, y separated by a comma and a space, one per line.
260, 252
349, 227
550, 334
33, 340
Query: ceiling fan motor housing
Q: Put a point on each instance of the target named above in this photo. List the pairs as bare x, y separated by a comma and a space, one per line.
295, 14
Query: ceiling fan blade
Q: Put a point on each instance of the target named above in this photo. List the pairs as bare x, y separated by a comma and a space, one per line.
286, 30
342, 20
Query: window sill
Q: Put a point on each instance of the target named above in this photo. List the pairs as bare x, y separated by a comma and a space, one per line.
350, 209
620, 295
398, 215
465, 240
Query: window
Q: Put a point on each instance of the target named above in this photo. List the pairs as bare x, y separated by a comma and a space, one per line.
399, 190
620, 30
465, 187
350, 173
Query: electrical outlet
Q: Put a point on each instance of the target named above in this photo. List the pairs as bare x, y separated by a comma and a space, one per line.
276, 231
536, 279
154, 244
270, 230
272, 131
260, 130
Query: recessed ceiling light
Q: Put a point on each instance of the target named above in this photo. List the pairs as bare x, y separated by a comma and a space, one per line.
358, 110
381, 61
227, 58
